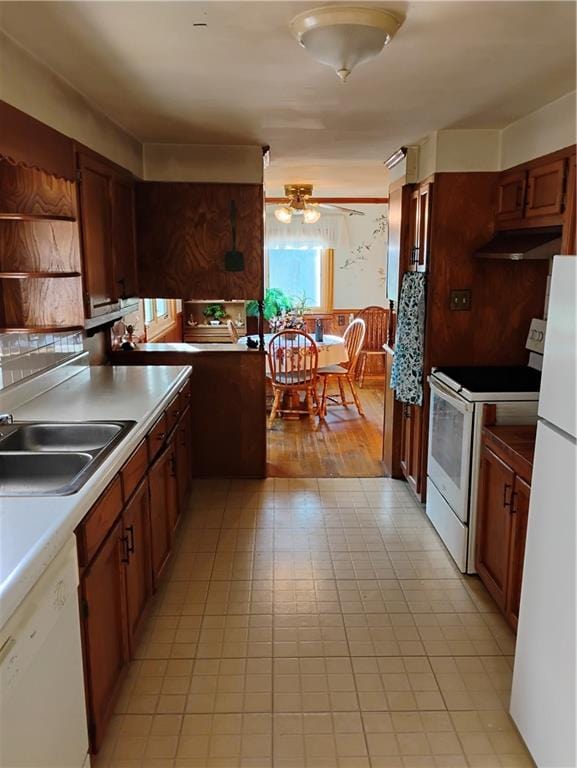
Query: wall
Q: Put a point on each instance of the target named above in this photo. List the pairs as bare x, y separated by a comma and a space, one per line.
545, 130
27, 84
203, 163
360, 268
23, 355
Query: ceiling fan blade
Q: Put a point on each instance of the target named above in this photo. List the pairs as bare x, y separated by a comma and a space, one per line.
350, 211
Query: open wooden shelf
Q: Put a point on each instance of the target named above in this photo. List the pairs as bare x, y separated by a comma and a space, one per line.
34, 217
32, 275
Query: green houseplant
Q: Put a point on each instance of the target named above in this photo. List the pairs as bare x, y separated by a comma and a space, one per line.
275, 302
214, 313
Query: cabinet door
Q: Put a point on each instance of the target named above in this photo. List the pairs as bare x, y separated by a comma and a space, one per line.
160, 498
494, 524
520, 515
414, 231
425, 195
511, 196
100, 291
124, 246
183, 459
136, 540
411, 446
545, 188
104, 630
172, 505
569, 244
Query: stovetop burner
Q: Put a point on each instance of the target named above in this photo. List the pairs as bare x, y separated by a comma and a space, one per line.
497, 378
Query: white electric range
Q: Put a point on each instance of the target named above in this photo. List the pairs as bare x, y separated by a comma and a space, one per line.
456, 420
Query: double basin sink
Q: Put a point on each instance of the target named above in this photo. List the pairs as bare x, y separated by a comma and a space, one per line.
54, 458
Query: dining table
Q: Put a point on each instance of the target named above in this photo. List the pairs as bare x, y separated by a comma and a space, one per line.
331, 351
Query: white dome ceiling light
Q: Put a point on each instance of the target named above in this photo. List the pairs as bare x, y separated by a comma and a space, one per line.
343, 36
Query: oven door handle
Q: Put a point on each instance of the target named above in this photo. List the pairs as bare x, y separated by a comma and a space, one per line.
449, 394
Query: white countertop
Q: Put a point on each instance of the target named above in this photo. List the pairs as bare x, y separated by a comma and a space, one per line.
34, 529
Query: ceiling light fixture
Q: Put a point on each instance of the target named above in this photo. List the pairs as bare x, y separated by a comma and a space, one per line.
396, 158
283, 214
311, 215
343, 36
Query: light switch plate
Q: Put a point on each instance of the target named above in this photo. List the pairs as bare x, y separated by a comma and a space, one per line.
536, 337
460, 300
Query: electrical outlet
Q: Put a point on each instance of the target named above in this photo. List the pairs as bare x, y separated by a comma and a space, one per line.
341, 319
460, 300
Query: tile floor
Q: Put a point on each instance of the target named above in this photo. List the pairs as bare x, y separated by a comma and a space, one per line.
316, 623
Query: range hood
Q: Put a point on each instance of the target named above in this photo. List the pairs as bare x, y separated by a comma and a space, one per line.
522, 245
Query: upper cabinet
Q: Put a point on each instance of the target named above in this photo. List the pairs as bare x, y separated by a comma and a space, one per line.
419, 227
535, 194
106, 196
185, 230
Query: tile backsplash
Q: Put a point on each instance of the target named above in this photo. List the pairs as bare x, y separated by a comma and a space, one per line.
23, 355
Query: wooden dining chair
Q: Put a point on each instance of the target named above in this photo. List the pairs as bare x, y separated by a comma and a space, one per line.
293, 363
375, 336
354, 338
232, 332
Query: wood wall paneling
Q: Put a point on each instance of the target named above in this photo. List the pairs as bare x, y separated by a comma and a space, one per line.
39, 246
183, 233
46, 302
29, 142
31, 192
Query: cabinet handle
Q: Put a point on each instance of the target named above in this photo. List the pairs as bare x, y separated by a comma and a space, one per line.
513, 504
130, 530
415, 254
173, 466
126, 557
161, 436
122, 284
505, 502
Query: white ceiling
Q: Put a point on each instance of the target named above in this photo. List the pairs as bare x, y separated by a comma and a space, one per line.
243, 80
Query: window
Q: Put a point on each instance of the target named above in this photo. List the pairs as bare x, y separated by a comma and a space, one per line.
159, 316
302, 271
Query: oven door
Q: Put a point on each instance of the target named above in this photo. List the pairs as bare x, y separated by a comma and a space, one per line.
450, 431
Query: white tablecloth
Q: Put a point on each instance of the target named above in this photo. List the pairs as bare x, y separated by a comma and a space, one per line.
331, 349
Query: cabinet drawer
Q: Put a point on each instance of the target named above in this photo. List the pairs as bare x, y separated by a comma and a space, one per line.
134, 470
156, 437
185, 396
173, 413
94, 528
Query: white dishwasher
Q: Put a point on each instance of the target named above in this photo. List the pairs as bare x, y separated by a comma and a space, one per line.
42, 705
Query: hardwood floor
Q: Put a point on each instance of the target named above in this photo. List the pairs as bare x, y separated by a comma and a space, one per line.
345, 445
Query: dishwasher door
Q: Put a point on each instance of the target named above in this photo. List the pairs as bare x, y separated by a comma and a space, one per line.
42, 705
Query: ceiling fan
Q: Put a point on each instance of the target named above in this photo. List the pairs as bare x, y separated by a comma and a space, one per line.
299, 202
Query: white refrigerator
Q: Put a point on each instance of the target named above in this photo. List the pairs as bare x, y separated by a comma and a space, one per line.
543, 698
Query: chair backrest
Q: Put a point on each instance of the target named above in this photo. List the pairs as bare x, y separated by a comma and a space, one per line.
376, 327
232, 332
354, 338
293, 359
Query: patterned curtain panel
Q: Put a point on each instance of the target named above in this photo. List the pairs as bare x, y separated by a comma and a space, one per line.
407, 371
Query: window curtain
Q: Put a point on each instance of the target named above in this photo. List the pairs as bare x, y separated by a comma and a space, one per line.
330, 231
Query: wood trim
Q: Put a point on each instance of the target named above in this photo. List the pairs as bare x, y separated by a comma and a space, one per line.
328, 281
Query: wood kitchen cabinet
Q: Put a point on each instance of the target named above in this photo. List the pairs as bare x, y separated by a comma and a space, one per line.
162, 514
108, 236
136, 541
419, 232
184, 458
546, 189
511, 196
105, 640
502, 513
411, 444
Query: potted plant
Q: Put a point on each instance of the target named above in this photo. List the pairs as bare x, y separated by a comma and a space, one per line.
275, 303
214, 313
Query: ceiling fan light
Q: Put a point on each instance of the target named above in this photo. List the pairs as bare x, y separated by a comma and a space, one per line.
283, 214
311, 215
342, 37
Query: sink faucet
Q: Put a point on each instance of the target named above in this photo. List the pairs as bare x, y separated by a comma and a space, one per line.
6, 418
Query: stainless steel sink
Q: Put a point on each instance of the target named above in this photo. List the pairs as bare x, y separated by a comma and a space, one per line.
30, 474
54, 458
88, 436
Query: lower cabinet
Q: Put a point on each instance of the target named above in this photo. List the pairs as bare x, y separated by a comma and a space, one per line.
411, 442
136, 544
105, 637
124, 544
502, 514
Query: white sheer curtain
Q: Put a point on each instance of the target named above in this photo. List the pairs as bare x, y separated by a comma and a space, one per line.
330, 231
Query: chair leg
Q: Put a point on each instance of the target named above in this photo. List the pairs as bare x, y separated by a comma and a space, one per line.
274, 409
310, 408
355, 396
342, 391
362, 371
323, 405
